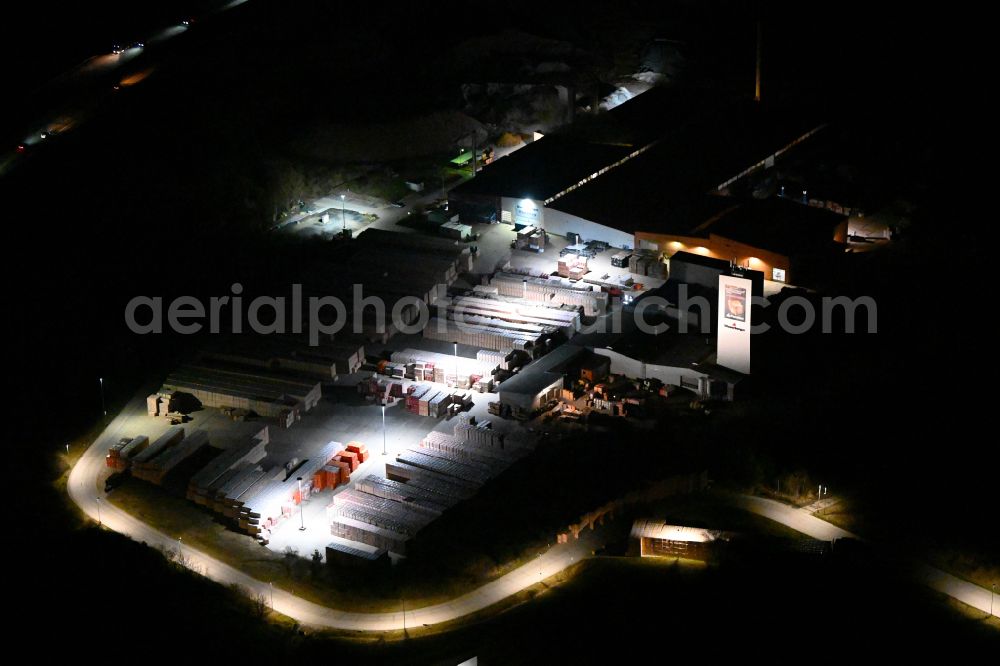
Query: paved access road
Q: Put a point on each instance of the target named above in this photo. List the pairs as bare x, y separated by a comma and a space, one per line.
85, 491
802, 521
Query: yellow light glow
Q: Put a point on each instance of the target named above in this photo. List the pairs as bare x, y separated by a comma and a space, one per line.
135, 78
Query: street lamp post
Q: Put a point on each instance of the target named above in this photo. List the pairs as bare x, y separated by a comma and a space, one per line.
302, 507
104, 410
67, 449
343, 213
383, 430
456, 364
98, 499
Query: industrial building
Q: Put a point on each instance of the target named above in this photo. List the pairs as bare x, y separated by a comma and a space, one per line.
784, 240
654, 538
248, 388
289, 355
683, 360
665, 175
539, 381
702, 272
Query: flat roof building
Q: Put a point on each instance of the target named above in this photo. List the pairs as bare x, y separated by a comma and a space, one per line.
661, 173
246, 388
539, 381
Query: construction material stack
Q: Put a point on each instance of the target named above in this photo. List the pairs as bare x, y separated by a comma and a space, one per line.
206, 482
551, 292
255, 390
647, 262
360, 449
120, 454
280, 498
155, 469
485, 334
418, 499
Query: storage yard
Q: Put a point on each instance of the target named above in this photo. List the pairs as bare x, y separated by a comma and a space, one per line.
324, 485
441, 447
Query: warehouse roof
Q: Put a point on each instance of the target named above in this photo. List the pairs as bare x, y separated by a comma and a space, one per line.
656, 529
701, 260
661, 190
543, 168
244, 382
777, 224
539, 375
550, 165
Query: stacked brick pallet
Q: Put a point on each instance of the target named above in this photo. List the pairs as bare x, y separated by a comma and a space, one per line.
450, 487
418, 499
479, 335
155, 469
167, 439
439, 441
342, 554
551, 292
260, 512
356, 530
449, 468
493, 359
442, 368
240, 485
519, 311
360, 449
120, 454
646, 262
428, 401
339, 470
375, 510
488, 467
206, 482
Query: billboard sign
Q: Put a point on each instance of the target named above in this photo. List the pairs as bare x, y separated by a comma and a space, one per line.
733, 341
526, 212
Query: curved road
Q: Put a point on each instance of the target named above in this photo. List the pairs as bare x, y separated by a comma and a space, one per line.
88, 495
84, 490
806, 523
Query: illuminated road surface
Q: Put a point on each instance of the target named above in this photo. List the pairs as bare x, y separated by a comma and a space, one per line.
92, 75
85, 491
802, 521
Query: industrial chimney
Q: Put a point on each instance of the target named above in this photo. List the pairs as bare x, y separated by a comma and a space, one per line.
756, 87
